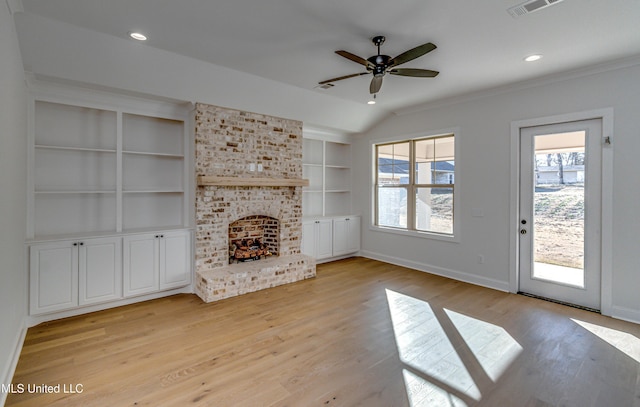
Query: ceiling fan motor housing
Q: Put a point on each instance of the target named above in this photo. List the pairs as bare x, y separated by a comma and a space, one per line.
381, 63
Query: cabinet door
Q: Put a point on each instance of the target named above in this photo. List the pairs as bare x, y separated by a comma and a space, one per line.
141, 268
324, 238
346, 235
100, 270
175, 259
308, 245
353, 234
340, 236
53, 269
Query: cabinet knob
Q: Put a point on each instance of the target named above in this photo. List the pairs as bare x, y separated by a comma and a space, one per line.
81, 243
75, 244
162, 236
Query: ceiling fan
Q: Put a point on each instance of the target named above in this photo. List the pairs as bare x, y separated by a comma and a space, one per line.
379, 65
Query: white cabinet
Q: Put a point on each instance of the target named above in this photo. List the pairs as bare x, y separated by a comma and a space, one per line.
66, 274
141, 258
326, 164
156, 261
317, 239
331, 237
99, 270
346, 235
175, 259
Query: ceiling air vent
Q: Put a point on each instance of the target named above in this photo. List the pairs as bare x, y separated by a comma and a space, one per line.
531, 6
325, 86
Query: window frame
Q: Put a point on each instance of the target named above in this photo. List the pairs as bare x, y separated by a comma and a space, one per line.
411, 188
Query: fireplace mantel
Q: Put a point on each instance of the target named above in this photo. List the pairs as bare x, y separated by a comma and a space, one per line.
211, 180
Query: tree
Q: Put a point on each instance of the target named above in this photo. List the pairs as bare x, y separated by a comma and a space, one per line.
560, 168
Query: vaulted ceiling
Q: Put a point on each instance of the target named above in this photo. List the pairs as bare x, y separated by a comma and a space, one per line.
292, 43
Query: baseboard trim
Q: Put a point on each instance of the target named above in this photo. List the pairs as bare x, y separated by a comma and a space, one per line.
440, 271
9, 371
625, 314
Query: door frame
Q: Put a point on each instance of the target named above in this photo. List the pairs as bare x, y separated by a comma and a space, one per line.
606, 243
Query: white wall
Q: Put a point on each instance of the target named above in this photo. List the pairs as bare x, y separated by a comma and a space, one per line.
13, 113
483, 178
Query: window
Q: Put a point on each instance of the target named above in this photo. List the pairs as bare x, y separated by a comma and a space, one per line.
414, 186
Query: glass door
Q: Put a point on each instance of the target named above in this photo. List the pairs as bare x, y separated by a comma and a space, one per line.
560, 195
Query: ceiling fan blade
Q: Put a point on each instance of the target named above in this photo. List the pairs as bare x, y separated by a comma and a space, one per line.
419, 73
356, 59
339, 78
376, 84
412, 54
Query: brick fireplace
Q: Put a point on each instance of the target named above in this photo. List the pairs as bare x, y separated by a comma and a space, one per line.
234, 145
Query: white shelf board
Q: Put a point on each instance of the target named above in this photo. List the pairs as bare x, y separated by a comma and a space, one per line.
93, 191
153, 191
64, 148
149, 153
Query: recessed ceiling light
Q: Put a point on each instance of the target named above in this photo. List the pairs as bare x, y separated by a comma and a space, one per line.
533, 57
138, 36
371, 102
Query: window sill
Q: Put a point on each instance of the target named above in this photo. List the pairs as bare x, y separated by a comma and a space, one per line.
414, 233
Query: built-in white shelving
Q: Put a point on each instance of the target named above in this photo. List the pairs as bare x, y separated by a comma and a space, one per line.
326, 164
96, 170
105, 170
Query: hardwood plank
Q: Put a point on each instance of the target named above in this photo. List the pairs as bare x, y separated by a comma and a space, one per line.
361, 333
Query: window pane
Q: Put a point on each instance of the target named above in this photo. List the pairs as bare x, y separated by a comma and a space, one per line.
393, 164
434, 210
443, 172
392, 207
425, 154
444, 161
435, 161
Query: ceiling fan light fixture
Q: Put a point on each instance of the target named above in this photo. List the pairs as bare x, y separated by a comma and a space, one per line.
532, 58
138, 36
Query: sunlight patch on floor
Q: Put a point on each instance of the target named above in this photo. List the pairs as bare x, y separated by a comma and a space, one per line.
423, 393
494, 348
624, 342
424, 346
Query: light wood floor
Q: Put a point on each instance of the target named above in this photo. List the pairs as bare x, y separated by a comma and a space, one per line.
363, 333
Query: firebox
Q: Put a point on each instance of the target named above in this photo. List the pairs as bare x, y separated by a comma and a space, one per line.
253, 238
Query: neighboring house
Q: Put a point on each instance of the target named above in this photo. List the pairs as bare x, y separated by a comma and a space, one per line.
388, 169
572, 174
